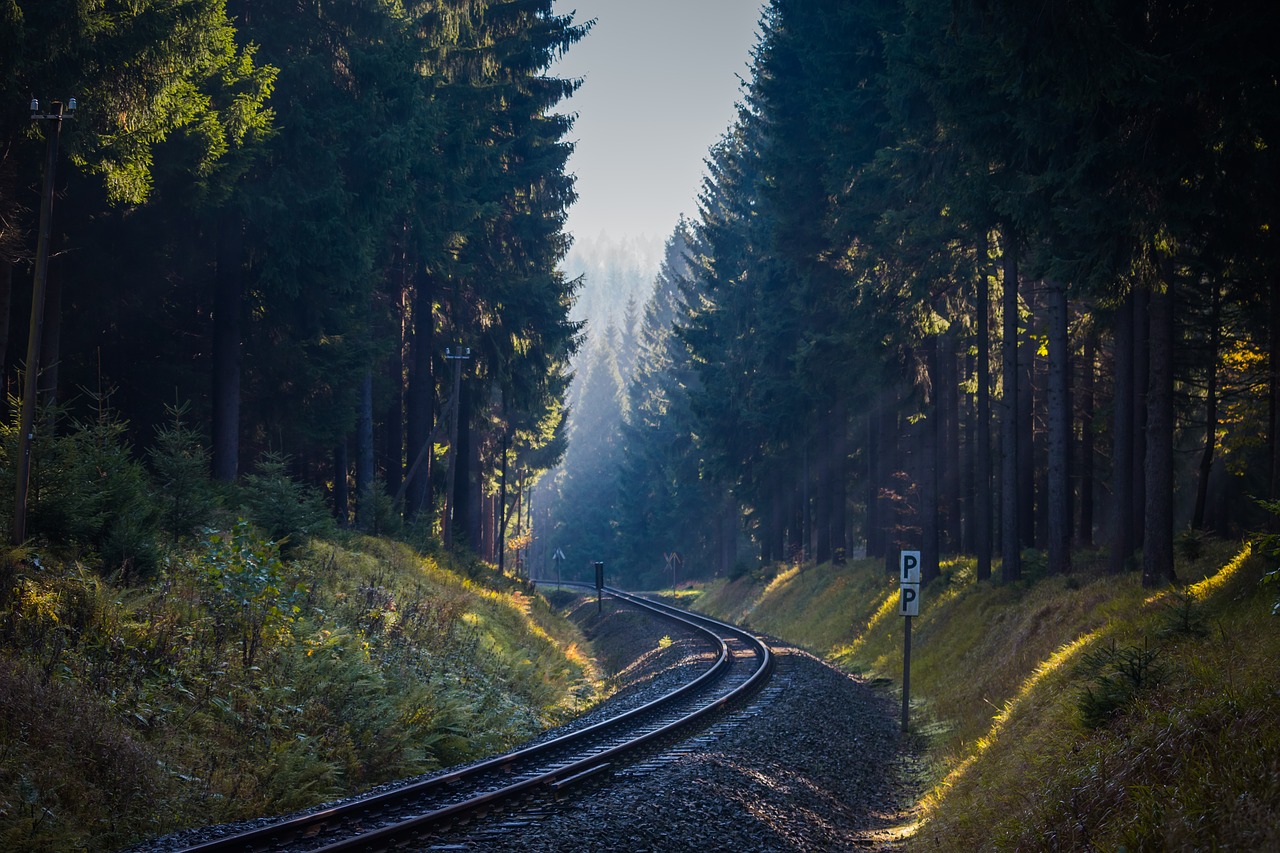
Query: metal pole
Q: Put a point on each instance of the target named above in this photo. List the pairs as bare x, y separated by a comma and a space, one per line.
906, 674
457, 359
27, 427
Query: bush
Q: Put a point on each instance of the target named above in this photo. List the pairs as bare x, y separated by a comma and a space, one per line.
87, 490
289, 511
1118, 675
180, 463
241, 578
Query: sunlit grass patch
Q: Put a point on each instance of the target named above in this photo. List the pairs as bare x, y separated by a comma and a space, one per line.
1188, 760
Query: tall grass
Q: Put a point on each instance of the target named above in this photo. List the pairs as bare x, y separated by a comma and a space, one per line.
238, 683
1066, 713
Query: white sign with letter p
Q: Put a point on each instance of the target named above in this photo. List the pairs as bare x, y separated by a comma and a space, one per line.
909, 578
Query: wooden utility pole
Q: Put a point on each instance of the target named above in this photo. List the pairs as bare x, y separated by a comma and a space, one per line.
27, 427
457, 356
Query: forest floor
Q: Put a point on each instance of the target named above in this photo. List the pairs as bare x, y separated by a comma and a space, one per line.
1077, 712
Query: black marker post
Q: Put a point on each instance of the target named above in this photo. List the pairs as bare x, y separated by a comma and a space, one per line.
908, 606
599, 586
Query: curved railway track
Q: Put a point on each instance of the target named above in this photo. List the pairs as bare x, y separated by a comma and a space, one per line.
417, 812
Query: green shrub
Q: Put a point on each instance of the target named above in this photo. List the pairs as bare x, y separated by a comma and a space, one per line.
1118, 675
242, 581
289, 511
180, 464
87, 490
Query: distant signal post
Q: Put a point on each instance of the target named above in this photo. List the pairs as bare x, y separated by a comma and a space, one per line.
599, 586
908, 606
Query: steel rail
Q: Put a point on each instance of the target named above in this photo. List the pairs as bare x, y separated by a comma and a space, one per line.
305, 828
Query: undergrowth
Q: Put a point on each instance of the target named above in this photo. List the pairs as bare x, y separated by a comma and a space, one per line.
1065, 713
237, 683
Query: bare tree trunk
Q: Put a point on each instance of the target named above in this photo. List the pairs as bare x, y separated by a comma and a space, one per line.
1087, 406
6, 310
1122, 537
364, 454
984, 507
1010, 506
51, 340
948, 396
1059, 431
393, 414
930, 437
228, 298
1027, 497
420, 398
839, 481
341, 493
1210, 408
822, 493
1157, 552
1141, 383
1273, 390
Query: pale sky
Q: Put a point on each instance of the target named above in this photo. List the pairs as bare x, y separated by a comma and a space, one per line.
661, 81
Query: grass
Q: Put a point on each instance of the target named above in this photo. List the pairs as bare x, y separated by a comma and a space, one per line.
130, 711
1065, 713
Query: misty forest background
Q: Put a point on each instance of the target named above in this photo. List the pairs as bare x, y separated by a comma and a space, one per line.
974, 277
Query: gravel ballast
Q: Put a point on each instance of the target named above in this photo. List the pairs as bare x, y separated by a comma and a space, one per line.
814, 763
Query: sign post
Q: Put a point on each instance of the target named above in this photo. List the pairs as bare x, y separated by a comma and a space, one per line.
908, 606
599, 586
558, 557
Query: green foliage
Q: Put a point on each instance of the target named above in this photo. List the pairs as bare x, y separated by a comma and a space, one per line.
1117, 675
87, 490
180, 464
244, 586
1268, 545
236, 684
289, 511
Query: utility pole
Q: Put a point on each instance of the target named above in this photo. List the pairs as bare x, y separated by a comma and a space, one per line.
27, 427
457, 356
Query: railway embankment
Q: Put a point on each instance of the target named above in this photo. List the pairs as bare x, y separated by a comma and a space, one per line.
1069, 712
237, 682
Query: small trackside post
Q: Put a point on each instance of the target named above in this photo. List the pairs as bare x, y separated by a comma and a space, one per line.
599, 587
908, 606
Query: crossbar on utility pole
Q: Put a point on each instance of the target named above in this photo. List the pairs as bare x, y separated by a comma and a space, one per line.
35, 334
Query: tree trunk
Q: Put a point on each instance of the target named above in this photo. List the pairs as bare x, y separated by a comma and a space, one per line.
1141, 382
228, 299
1010, 508
1210, 408
1026, 431
1087, 407
393, 414
501, 537
365, 471
822, 496
930, 436
948, 396
6, 310
420, 399
839, 481
872, 532
341, 493
889, 462
1273, 390
1157, 552
51, 340
983, 507
1059, 431
1122, 396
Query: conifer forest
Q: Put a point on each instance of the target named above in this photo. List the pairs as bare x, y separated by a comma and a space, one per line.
978, 277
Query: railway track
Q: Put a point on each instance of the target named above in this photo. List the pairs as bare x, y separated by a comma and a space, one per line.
416, 813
